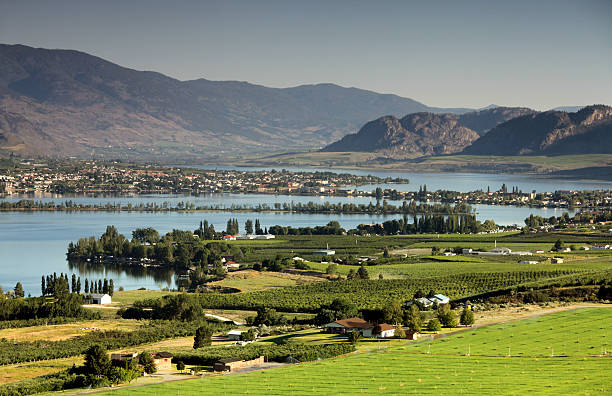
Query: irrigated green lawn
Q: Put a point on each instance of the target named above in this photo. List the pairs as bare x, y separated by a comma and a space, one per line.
575, 367
579, 333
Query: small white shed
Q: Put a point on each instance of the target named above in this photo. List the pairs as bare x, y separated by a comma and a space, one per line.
98, 298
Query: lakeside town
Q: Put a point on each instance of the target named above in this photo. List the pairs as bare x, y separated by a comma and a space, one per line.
89, 177
28, 179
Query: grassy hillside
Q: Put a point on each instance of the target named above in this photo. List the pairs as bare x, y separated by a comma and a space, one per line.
561, 353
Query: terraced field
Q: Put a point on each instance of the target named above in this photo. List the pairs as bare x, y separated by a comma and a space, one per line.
562, 353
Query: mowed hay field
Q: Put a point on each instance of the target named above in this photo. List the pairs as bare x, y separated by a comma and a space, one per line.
578, 365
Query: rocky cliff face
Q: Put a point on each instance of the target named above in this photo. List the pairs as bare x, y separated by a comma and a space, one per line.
422, 134
485, 120
553, 132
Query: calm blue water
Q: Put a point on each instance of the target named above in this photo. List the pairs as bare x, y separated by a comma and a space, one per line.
33, 244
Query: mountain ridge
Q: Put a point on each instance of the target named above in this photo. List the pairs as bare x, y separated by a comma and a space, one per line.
422, 134
88, 106
553, 132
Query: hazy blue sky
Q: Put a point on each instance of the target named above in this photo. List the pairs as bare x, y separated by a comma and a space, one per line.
540, 54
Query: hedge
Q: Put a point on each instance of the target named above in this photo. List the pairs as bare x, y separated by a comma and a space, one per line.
278, 353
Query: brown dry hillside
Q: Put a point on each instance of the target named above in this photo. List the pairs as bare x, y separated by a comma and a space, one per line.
84, 105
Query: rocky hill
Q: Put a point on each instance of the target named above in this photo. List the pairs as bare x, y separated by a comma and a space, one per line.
485, 120
420, 134
587, 131
70, 103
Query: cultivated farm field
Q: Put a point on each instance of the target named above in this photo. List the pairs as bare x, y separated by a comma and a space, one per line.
561, 353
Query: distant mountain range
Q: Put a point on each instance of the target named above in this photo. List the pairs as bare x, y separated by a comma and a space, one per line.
588, 131
62, 102
68, 103
420, 134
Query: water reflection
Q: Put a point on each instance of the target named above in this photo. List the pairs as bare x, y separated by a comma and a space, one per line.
95, 270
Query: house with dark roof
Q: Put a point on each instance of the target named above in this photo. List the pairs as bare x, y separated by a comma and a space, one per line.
382, 330
365, 328
348, 325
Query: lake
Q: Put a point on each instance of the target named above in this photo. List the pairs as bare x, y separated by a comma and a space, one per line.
35, 243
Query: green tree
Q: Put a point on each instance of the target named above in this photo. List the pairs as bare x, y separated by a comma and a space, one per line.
117, 375
145, 359
467, 317
489, 225
362, 272
203, 337
19, 290
145, 235
97, 361
325, 316
399, 332
378, 193
354, 337
386, 253
249, 335
111, 287
343, 308
61, 288
331, 269
248, 226
180, 365
268, 317
558, 245
412, 318
434, 325
393, 313
446, 316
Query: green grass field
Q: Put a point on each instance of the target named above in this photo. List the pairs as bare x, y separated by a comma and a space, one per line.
555, 354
